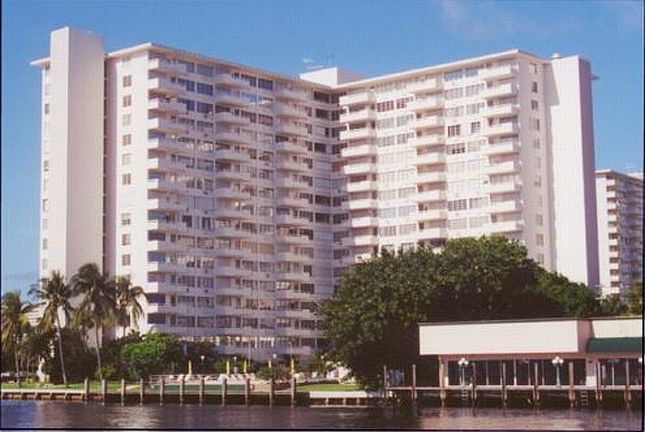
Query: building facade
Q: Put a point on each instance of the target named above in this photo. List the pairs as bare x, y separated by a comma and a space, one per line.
236, 197
620, 230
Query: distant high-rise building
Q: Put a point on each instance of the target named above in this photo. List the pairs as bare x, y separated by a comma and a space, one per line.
620, 230
237, 196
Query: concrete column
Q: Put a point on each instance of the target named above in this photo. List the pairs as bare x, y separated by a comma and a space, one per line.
628, 394
536, 390
224, 390
122, 391
474, 397
442, 383
572, 393
503, 384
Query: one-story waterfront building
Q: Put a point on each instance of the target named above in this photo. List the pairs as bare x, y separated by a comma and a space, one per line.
602, 351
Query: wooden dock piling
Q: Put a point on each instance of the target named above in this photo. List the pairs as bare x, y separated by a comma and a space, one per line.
161, 391
103, 390
293, 391
122, 391
536, 390
224, 390
142, 391
628, 394
474, 395
201, 390
182, 382
442, 390
503, 384
572, 393
86, 390
247, 391
271, 391
414, 383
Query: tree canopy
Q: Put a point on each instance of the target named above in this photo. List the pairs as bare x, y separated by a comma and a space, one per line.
372, 318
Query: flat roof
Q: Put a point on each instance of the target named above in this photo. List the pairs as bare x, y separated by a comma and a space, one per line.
635, 176
522, 320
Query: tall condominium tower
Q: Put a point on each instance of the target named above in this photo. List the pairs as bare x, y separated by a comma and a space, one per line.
237, 196
620, 230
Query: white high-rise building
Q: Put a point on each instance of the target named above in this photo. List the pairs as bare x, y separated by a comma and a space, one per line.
620, 230
236, 196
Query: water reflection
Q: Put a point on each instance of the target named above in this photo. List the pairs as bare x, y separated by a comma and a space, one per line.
35, 414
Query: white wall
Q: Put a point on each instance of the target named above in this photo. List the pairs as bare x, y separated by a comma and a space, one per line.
569, 109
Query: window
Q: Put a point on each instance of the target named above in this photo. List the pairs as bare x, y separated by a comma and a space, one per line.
126, 139
45, 205
46, 165
126, 179
127, 100
456, 148
125, 239
45, 223
534, 105
385, 106
126, 158
45, 244
534, 68
538, 220
125, 219
539, 239
454, 130
534, 123
534, 87
265, 84
456, 205
387, 231
126, 120
474, 127
205, 70
454, 93
127, 81
206, 89
46, 108
125, 260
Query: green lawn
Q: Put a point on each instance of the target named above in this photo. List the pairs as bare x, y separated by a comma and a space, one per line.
94, 386
328, 387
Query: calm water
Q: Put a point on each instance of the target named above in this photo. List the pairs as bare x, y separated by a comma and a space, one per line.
34, 414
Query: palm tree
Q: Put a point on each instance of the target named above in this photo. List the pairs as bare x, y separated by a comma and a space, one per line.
14, 324
55, 295
128, 306
97, 309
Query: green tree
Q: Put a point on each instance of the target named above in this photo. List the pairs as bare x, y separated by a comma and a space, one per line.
77, 354
154, 355
14, 325
127, 301
372, 319
97, 309
635, 299
55, 296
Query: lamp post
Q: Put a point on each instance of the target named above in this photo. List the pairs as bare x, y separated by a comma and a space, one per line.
293, 369
463, 364
557, 362
202, 357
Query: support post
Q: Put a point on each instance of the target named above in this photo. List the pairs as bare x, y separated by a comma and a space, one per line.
503, 384
293, 391
536, 390
182, 381
161, 390
104, 390
247, 391
442, 390
598, 384
224, 390
385, 385
201, 390
414, 383
142, 391
122, 391
474, 397
271, 390
86, 390
628, 394
572, 393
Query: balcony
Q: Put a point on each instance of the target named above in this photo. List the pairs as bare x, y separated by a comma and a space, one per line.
506, 147
294, 95
290, 129
363, 115
431, 177
428, 122
505, 187
432, 195
292, 276
360, 150
497, 73
292, 220
233, 213
504, 227
287, 111
228, 193
233, 138
428, 140
229, 99
164, 165
291, 147
362, 98
293, 201
231, 155
228, 232
164, 86
360, 204
233, 175
362, 240
291, 165
164, 267
165, 185
230, 81
229, 252
429, 215
167, 126
426, 104
354, 134
166, 106
359, 168
226, 271
168, 144
508, 167
167, 204
164, 66
427, 86
290, 183
502, 129
503, 110
499, 91
510, 206
363, 222
297, 240
361, 186
430, 159
293, 257
230, 118
433, 233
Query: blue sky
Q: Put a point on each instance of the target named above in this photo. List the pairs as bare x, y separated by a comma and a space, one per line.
372, 37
